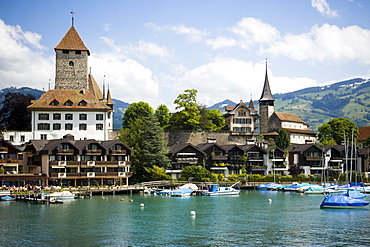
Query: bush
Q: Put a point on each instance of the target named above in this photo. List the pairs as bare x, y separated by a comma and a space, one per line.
233, 178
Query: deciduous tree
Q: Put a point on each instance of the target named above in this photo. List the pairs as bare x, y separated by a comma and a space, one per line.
336, 130
283, 141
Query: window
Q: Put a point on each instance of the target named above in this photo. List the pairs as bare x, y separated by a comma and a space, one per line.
83, 116
83, 126
43, 116
99, 116
56, 116
43, 136
43, 126
71, 63
57, 126
242, 113
23, 138
68, 103
11, 138
99, 126
65, 52
82, 103
69, 116
68, 126
54, 102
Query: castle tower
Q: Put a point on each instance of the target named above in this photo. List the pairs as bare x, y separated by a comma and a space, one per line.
266, 105
71, 62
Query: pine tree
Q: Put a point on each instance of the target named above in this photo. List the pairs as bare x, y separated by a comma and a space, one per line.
283, 141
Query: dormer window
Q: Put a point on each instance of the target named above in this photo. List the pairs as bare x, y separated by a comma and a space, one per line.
71, 63
54, 103
82, 103
68, 103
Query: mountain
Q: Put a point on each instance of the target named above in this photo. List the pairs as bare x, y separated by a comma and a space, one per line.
119, 106
221, 106
317, 105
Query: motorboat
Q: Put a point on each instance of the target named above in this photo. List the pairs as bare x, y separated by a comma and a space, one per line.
182, 192
62, 195
7, 198
342, 201
217, 190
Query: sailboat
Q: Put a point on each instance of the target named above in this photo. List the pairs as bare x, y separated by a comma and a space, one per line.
352, 198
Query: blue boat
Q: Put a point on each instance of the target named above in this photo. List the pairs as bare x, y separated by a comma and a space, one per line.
342, 201
7, 198
182, 192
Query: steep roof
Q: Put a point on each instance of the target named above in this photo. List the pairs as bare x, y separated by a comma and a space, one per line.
59, 97
266, 92
364, 132
289, 117
94, 88
72, 41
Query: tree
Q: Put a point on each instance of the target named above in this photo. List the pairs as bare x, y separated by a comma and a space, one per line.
144, 135
212, 120
135, 111
188, 118
336, 130
156, 173
195, 172
14, 114
295, 170
163, 115
283, 141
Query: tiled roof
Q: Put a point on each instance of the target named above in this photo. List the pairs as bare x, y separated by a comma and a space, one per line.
308, 132
72, 41
94, 88
61, 96
364, 132
289, 117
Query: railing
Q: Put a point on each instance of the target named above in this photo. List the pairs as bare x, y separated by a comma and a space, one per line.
9, 160
312, 158
89, 174
118, 152
258, 168
64, 151
219, 157
93, 152
3, 149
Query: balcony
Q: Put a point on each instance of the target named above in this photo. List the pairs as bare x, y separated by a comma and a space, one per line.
187, 160
219, 157
64, 152
8, 161
258, 168
118, 152
313, 158
93, 152
3, 149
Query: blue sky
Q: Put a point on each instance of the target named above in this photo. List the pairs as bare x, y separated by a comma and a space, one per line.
152, 51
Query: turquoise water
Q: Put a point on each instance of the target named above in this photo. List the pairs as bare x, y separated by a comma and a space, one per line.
247, 220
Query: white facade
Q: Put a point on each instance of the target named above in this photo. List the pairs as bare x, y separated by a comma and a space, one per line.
50, 125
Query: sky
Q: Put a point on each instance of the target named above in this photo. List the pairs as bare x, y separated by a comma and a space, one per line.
153, 50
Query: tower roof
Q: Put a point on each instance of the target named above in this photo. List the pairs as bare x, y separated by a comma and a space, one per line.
72, 41
266, 93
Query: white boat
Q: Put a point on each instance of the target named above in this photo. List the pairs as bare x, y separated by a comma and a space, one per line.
217, 190
182, 192
63, 195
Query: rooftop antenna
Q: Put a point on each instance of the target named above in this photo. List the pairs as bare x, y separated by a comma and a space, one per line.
49, 83
73, 18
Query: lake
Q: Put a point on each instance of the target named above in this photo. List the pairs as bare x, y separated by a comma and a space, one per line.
291, 219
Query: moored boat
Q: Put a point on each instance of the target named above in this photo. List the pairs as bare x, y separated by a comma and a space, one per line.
7, 198
342, 201
182, 192
217, 190
63, 195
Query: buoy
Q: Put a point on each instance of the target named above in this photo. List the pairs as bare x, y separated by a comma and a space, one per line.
141, 204
269, 200
122, 199
193, 213
131, 200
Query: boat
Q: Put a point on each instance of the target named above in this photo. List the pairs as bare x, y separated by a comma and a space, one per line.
7, 198
182, 192
315, 189
268, 186
63, 195
342, 201
296, 186
53, 200
217, 190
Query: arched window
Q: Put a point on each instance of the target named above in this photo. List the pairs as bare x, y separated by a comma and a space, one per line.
71, 63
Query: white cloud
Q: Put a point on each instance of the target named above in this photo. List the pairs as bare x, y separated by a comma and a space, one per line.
323, 7
22, 62
325, 43
252, 31
128, 80
221, 42
107, 27
192, 34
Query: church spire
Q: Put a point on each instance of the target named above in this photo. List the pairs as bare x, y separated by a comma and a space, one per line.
266, 92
